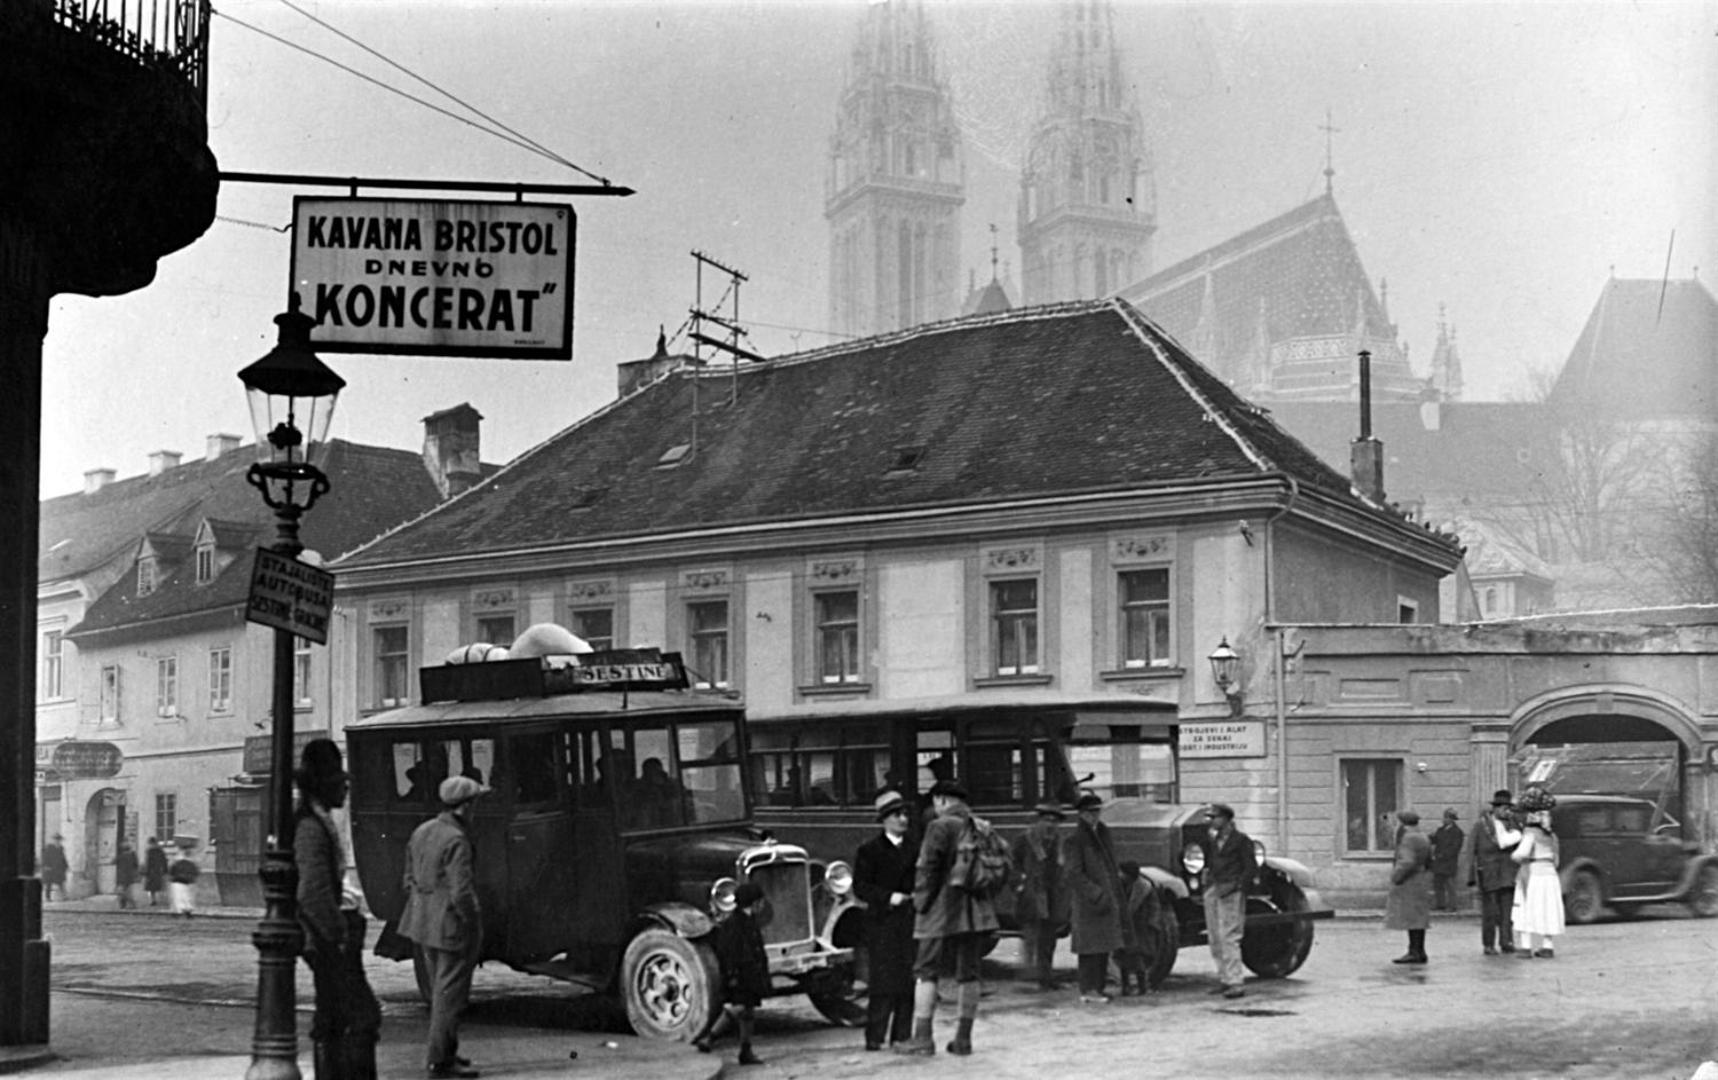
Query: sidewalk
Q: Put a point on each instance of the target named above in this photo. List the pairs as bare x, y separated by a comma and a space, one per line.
109, 904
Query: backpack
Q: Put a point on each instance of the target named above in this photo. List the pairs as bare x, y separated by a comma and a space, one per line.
982, 863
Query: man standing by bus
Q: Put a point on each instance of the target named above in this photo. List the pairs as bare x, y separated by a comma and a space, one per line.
1229, 866
442, 916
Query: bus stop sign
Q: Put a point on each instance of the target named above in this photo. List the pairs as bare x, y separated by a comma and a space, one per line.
290, 595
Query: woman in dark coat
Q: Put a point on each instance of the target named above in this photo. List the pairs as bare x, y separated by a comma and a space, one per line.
154, 871
883, 870
1094, 884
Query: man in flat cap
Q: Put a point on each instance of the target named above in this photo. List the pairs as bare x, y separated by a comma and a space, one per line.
1492, 871
1229, 866
1040, 896
442, 916
950, 925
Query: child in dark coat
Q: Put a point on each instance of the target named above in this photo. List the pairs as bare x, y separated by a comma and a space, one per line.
739, 946
1139, 927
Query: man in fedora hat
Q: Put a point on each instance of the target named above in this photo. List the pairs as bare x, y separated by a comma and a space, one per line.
1492, 871
1229, 866
883, 871
950, 924
1040, 901
1094, 889
442, 916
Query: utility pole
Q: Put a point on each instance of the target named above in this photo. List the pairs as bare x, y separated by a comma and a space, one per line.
730, 323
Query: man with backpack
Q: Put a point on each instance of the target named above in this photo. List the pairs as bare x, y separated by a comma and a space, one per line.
962, 865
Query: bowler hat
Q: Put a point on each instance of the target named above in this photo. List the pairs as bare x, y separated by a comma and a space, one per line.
954, 789
1501, 797
1049, 809
459, 790
888, 801
1088, 800
1220, 809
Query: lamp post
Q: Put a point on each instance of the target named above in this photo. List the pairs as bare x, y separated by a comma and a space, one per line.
292, 396
1225, 663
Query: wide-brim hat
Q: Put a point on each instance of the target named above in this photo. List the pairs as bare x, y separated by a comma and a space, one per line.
1501, 797
1089, 800
459, 790
887, 802
953, 789
1050, 809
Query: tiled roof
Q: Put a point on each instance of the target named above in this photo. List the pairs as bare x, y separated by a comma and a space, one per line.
1649, 350
371, 489
1085, 396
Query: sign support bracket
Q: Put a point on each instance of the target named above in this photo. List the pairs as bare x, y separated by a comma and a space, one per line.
353, 183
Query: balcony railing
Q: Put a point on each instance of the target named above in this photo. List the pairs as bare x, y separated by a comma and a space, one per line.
170, 36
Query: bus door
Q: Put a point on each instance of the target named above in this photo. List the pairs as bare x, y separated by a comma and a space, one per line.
602, 775
543, 871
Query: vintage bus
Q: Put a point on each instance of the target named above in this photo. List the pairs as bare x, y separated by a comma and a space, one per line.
815, 770
619, 824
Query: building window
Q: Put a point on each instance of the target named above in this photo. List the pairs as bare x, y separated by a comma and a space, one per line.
1014, 626
146, 571
707, 628
166, 817
1145, 618
1490, 601
390, 649
300, 673
53, 664
205, 564
595, 627
837, 615
221, 679
110, 694
1407, 611
496, 629
1371, 794
167, 686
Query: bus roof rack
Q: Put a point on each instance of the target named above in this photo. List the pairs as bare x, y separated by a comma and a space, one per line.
500, 680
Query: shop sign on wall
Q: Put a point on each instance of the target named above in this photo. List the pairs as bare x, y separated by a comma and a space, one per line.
1228, 738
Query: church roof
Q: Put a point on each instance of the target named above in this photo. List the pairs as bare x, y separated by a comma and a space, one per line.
1083, 397
1649, 351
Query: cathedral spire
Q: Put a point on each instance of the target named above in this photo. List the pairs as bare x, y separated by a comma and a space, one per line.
1329, 152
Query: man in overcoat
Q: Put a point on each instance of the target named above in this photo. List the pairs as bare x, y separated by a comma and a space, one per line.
1040, 897
54, 867
154, 870
1492, 871
1409, 905
883, 871
125, 874
443, 917
950, 924
1229, 868
1446, 859
1094, 889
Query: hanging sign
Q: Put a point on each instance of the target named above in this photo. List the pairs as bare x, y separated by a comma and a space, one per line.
75, 760
290, 595
435, 277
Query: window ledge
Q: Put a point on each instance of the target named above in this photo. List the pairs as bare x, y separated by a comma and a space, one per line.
1039, 679
835, 689
1146, 674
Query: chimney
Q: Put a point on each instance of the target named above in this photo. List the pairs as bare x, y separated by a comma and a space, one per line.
96, 479
162, 460
451, 444
636, 374
219, 445
1366, 454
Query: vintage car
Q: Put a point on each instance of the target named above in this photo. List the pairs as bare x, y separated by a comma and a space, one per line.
619, 826
815, 772
1619, 852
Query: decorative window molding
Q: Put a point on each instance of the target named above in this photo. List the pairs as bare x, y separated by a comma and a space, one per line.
391, 609
835, 570
1013, 559
591, 592
495, 598
706, 581
1142, 547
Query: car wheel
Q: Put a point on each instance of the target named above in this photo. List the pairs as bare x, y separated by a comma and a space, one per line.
1703, 898
668, 985
1273, 952
839, 993
1168, 948
1585, 901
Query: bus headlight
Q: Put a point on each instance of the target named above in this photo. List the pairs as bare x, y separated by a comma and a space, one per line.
839, 878
722, 896
1193, 859
1259, 852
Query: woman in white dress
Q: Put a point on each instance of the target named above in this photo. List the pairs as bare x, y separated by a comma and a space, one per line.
1538, 914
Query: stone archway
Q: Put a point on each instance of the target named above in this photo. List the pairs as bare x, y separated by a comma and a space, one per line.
104, 820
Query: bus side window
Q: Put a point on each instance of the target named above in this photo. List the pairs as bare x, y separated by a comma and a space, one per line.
411, 773
535, 762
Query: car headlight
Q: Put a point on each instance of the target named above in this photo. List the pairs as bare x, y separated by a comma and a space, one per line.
1193, 858
839, 878
1259, 852
722, 895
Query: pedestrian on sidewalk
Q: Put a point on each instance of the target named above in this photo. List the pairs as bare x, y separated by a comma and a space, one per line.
1446, 857
950, 925
1409, 905
1040, 900
745, 972
1493, 873
1538, 913
883, 878
1230, 864
182, 875
154, 871
125, 874
348, 1020
1094, 885
54, 868
443, 917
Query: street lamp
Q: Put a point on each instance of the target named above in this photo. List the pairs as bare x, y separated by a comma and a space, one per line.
292, 396
1225, 665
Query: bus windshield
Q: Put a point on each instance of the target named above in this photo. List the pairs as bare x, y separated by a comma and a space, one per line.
1116, 763
671, 774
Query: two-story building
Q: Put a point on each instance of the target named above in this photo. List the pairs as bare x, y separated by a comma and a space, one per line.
1053, 501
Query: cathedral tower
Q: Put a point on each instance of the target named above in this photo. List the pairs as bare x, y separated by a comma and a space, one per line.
1087, 204
896, 177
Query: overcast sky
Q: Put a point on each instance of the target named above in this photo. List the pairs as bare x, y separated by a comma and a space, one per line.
1494, 159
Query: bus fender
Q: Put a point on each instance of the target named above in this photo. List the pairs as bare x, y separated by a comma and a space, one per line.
683, 919
1163, 879
1292, 869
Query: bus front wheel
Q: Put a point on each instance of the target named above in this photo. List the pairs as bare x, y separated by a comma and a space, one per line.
669, 986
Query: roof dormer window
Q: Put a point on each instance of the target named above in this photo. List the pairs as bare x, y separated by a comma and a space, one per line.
205, 563
674, 455
148, 574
